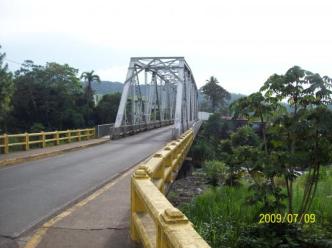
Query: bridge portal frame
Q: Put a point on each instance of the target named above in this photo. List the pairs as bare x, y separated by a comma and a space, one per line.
170, 92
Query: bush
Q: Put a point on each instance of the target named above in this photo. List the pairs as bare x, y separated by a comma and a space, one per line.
224, 218
215, 171
201, 151
37, 127
245, 136
220, 214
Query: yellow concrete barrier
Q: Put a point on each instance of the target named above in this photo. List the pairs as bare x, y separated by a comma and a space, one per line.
25, 140
154, 220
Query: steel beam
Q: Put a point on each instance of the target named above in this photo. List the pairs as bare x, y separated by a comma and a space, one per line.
169, 93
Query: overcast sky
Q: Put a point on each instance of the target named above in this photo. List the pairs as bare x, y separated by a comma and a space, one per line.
240, 42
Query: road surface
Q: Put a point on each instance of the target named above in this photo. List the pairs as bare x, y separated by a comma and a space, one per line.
33, 191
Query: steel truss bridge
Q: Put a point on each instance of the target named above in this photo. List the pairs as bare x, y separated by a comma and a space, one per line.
157, 90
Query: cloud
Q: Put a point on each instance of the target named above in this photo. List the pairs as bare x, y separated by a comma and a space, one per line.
240, 42
114, 73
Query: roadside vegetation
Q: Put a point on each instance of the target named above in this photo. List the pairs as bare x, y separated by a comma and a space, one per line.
38, 98
268, 160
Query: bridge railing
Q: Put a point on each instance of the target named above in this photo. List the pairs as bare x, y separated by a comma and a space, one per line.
117, 132
104, 129
154, 220
25, 141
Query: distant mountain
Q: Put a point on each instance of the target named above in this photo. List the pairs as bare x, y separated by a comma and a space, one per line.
107, 87
234, 97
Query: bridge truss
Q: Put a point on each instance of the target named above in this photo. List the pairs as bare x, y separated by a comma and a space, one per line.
158, 89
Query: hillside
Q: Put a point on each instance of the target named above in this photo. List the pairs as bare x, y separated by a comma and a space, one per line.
108, 87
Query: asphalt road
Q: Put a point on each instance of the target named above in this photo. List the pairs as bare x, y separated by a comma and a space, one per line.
33, 191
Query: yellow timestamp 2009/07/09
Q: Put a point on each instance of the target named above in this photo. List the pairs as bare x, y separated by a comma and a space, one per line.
266, 218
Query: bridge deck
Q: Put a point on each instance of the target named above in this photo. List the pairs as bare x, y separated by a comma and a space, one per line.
33, 191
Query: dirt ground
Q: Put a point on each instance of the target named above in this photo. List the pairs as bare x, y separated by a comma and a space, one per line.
185, 189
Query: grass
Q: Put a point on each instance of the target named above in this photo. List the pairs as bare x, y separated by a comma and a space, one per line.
224, 219
322, 203
221, 210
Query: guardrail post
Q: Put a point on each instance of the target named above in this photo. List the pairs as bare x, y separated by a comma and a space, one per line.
57, 141
136, 203
93, 133
79, 135
96, 131
26, 141
170, 217
160, 173
168, 164
69, 135
5, 143
43, 139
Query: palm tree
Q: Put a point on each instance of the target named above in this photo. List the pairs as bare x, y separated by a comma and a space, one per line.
217, 94
89, 78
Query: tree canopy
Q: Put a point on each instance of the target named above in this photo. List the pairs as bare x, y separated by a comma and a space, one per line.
6, 92
89, 78
215, 93
296, 140
50, 97
107, 108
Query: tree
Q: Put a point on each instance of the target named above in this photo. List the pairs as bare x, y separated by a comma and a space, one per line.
216, 128
256, 106
49, 95
299, 139
301, 88
89, 78
107, 108
6, 92
296, 140
216, 94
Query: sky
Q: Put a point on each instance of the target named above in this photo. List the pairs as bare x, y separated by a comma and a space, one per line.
240, 42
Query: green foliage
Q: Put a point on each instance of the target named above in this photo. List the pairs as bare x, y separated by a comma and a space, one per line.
301, 88
241, 150
6, 92
321, 204
215, 171
244, 136
257, 107
283, 235
201, 150
89, 78
300, 140
216, 128
37, 127
216, 94
50, 95
224, 219
219, 214
107, 108
252, 106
